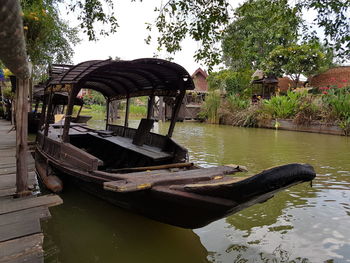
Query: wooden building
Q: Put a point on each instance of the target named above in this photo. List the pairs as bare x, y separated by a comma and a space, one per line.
193, 100
264, 86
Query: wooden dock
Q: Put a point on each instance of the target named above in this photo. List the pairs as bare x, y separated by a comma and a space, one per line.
21, 237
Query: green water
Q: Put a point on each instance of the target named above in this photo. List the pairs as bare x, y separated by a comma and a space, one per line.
301, 224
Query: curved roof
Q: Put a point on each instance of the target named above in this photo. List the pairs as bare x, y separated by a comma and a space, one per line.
120, 79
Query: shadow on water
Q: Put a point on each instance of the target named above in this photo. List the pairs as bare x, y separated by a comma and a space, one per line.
87, 229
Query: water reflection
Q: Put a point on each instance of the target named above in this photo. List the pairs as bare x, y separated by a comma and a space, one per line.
301, 224
86, 229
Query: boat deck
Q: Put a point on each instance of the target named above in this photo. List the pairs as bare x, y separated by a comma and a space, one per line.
155, 153
21, 237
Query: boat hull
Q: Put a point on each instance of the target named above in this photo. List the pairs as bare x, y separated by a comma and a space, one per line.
179, 208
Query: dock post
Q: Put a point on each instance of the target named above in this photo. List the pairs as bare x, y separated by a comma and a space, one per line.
22, 136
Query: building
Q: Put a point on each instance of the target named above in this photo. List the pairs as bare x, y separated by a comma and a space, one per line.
200, 80
334, 77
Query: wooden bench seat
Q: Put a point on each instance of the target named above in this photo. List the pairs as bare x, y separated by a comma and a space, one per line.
154, 153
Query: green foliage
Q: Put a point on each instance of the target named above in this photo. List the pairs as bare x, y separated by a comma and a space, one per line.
295, 60
7, 93
230, 81
333, 17
138, 110
94, 97
49, 39
259, 27
284, 106
92, 12
210, 107
201, 21
338, 100
236, 102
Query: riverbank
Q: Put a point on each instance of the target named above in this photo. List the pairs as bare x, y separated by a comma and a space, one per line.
314, 127
327, 113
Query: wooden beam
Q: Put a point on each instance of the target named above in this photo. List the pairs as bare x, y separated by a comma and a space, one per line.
126, 122
161, 112
22, 136
68, 117
150, 107
107, 112
48, 114
176, 110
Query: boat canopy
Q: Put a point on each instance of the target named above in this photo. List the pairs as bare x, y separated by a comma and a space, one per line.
118, 79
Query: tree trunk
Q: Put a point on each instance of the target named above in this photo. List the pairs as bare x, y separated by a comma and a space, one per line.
113, 111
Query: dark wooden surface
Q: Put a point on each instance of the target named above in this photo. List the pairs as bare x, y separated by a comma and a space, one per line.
21, 237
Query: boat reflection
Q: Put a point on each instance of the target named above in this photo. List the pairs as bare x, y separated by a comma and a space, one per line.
86, 229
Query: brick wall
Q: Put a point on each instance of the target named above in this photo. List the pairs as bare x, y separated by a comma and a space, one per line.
334, 77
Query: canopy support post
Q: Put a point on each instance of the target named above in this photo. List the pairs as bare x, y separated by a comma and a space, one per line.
176, 110
107, 109
68, 117
126, 122
150, 107
22, 136
161, 110
43, 111
48, 114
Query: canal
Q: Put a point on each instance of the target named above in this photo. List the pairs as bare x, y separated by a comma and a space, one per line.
300, 224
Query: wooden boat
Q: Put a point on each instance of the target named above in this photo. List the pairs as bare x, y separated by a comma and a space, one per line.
59, 101
139, 170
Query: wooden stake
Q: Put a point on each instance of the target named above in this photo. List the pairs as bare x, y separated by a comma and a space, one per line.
22, 136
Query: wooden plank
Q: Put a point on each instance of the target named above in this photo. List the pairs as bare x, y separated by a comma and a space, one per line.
37, 257
19, 229
13, 205
9, 180
146, 180
8, 192
16, 250
41, 212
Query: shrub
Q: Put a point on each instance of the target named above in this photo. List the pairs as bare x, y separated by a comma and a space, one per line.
210, 107
338, 100
284, 106
236, 102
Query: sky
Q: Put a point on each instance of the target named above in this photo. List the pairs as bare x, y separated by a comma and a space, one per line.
128, 42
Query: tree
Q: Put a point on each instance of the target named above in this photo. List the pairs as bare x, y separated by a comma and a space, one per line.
201, 20
259, 27
294, 60
205, 22
334, 18
49, 39
232, 82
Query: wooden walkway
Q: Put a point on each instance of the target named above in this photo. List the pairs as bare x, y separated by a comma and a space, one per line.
21, 237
